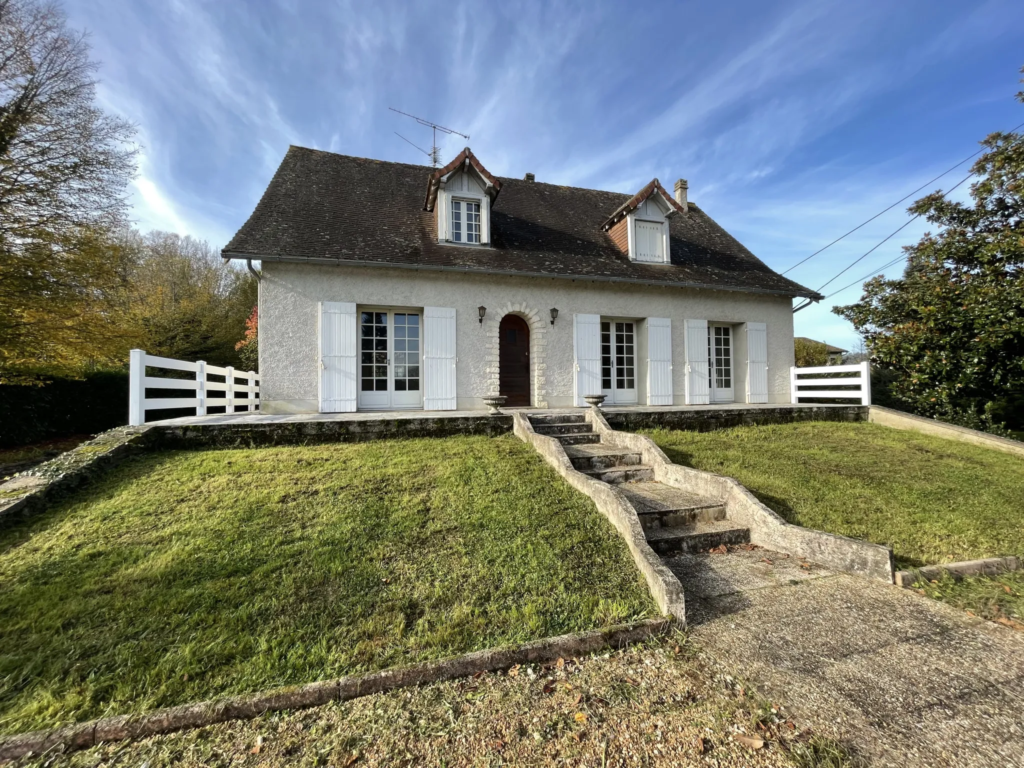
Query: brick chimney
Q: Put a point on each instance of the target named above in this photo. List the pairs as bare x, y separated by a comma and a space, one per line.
528, 177
681, 187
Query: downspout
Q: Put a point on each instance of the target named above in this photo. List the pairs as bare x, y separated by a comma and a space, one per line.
248, 264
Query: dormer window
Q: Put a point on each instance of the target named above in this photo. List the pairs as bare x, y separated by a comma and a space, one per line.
465, 221
649, 240
640, 227
461, 193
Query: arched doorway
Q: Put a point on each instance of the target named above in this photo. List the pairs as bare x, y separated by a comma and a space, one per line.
514, 360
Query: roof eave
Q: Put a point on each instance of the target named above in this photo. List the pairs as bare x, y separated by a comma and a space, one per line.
328, 261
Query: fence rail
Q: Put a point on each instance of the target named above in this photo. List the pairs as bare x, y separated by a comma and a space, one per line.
837, 376
231, 394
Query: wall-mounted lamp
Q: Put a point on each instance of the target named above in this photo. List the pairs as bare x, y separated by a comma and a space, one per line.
554, 315
481, 311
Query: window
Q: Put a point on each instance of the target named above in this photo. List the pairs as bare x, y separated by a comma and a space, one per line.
650, 241
465, 221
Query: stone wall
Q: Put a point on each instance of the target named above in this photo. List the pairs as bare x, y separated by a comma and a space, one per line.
708, 418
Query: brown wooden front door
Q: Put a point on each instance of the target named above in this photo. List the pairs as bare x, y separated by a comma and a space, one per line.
514, 360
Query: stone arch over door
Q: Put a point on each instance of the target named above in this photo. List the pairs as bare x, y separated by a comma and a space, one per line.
538, 343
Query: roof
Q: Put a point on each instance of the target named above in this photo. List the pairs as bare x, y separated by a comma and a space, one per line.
828, 347
321, 207
465, 156
653, 187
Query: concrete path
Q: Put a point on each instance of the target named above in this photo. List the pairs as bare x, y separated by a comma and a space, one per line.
901, 679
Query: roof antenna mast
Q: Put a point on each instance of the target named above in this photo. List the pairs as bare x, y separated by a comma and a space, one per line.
435, 151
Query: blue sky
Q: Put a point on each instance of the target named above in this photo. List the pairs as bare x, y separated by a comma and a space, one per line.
792, 121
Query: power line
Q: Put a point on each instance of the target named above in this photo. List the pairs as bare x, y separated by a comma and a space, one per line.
953, 168
881, 269
873, 249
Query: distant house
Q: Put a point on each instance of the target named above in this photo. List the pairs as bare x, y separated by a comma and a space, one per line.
835, 354
390, 286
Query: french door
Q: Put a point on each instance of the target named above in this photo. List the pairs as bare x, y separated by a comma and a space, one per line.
720, 370
618, 361
389, 356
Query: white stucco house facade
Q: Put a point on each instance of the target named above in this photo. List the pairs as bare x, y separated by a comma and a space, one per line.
388, 286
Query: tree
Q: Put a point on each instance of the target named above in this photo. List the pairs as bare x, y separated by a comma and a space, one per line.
810, 353
951, 330
249, 347
187, 301
64, 170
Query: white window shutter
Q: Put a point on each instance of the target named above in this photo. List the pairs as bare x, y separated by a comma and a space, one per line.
587, 354
337, 332
757, 363
659, 361
439, 359
697, 385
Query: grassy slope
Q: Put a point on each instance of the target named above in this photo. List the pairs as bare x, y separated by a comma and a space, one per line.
655, 705
193, 574
932, 500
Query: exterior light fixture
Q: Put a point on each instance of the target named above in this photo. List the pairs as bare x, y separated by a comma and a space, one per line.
481, 311
554, 315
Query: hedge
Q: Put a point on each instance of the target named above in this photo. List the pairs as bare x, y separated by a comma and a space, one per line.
63, 407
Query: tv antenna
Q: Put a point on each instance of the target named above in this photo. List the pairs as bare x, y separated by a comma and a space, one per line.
435, 151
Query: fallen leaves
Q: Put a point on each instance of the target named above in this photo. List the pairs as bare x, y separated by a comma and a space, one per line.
258, 746
751, 742
580, 717
721, 549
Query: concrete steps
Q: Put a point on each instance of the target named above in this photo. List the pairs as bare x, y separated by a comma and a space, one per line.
599, 456
556, 429
674, 521
624, 474
696, 537
662, 506
569, 429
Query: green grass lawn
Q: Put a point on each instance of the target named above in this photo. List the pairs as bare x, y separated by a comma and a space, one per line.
188, 575
932, 500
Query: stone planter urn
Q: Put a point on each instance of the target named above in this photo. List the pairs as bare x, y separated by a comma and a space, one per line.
494, 403
594, 401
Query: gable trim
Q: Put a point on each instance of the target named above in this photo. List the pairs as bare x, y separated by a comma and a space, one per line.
465, 157
652, 188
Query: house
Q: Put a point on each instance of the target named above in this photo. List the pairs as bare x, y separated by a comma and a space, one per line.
388, 286
834, 354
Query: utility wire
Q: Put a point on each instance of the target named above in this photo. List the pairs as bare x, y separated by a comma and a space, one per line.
970, 157
876, 247
881, 269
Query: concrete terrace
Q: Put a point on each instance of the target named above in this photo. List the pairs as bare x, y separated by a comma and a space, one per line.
615, 414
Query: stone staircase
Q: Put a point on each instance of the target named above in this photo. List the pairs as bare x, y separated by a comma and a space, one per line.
673, 520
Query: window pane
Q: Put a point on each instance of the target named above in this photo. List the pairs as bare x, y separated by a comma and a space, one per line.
399, 371
367, 357
414, 385
380, 331
380, 358
381, 371
381, 385
414, 345
414, 371
413, 319
400, 345
381, 344
368, 371
399, 385
367, 385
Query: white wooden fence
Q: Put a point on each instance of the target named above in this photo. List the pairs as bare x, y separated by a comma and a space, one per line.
814, 386
231, 394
